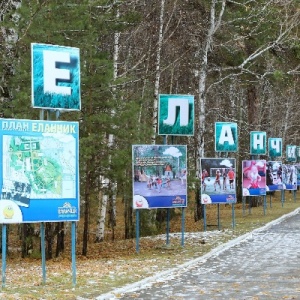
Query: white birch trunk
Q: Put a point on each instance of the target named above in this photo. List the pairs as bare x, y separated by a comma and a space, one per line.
103, 198
214, 25
157, 75
100, 232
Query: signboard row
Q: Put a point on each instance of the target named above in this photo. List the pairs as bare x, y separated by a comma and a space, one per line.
160, 177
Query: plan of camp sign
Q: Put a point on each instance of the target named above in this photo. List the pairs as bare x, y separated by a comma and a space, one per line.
40, 162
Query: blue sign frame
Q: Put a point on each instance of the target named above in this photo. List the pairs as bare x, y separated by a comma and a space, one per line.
39, 171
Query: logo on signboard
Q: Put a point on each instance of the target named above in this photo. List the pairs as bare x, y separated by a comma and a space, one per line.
67, 210
176, 115
55, 77
178, 201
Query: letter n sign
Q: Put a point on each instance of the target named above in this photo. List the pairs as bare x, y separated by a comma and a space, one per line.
226, 137
258, 142
55, 77
176, 115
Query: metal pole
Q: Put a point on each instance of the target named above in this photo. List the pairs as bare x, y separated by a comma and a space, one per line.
219, 223
74, 253
137, 228
4, 229
43, 250
233, 216
168, 226
182, 226
204, 216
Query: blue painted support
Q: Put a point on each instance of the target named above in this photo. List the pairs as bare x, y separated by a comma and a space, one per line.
294, 192
265, 204
137, 229
43, 250
73, 253
204, 216
270, 201
233, 216
182, 226
282, 197
244, 204
168, 226
4, 229
250, 205
219, 223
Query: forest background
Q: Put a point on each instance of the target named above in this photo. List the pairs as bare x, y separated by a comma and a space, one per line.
240, 59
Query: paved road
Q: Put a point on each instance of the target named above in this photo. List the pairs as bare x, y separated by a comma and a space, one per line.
262, 265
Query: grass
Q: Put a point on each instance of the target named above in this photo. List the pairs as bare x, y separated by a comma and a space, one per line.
115, 264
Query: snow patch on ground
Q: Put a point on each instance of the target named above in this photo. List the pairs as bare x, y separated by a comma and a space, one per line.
161, 276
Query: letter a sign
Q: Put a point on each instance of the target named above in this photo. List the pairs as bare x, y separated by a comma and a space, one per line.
55, 77
226, 137
176, 115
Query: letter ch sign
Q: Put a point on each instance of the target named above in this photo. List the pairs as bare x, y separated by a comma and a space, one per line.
55, 77
176, 115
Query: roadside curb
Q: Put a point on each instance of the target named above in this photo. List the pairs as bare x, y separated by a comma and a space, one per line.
115, 294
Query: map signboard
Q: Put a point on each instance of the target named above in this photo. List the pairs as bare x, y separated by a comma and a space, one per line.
39, 171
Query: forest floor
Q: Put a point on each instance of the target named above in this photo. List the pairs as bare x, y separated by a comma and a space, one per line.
113, 264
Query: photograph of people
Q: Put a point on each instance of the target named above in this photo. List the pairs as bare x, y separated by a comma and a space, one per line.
274, 175
218, 180
254, 177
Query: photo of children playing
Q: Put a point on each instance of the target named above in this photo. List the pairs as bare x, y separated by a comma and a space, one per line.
162, 172
217, 176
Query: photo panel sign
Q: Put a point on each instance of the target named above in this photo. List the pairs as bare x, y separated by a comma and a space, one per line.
176, 115
159, 176
254, 177
218, 180
39, 171
289, 176
274, 176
